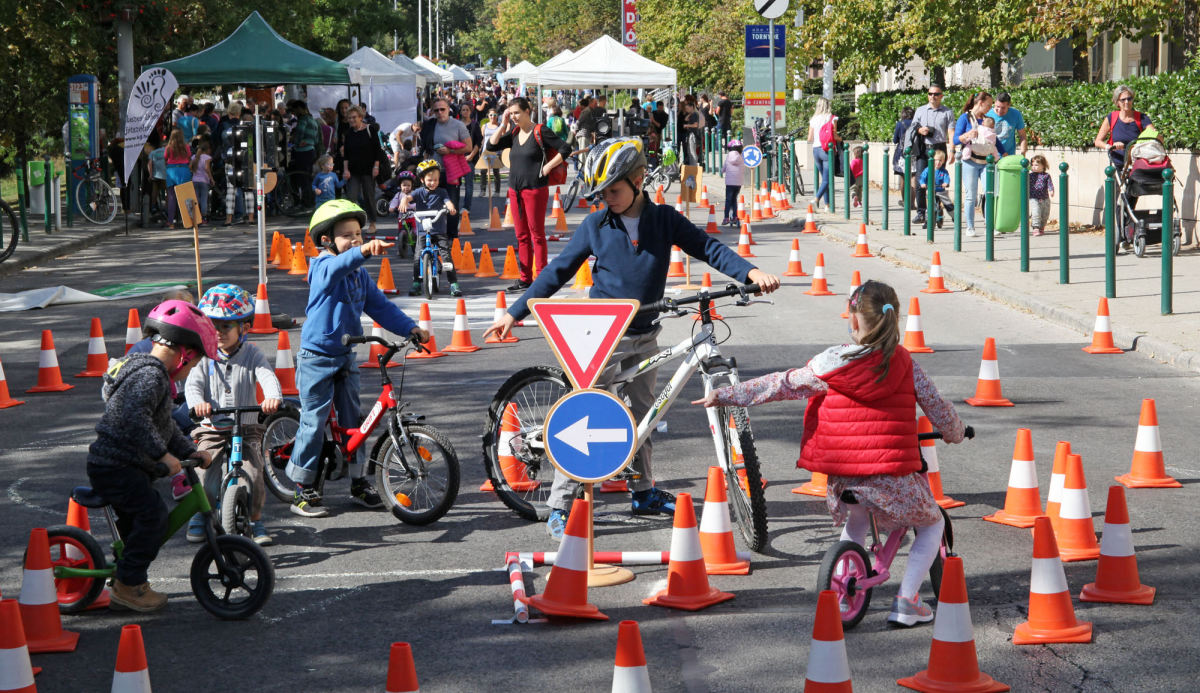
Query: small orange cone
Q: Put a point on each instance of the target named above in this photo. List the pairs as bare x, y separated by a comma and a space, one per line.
425, 322
377, 349
706, 284
310, 249
1102, 339
810, 222
131, 673
508, 217
658, 196
860, 247
630, 674
133, 331
704, 196
556, 208
687, 581
285, 365
855, 282
934, 476
583, 277
262, 314
456, 257
386, 283
1058, 478
49, 377
755, 210
68, 590
582, 204
402, 671
716, 532
1023, 504
679, 203
819, 286
468, 258
285, 254
6, 399
39, 600
675, 269
795, 268
914, 337
750, 233
486, 269
501, 311
16, 672
560, 224
273, 256
828, 668
1051, 614
817, 486
987, 388
299, 262
566, 588
743, 248
937, 285
511, 270
1117, 579
494, 222
464, 224
953, 662
765, 204
712, 227
515, 473
460, 343
97, 354
1148, 469
593, 209
1076, 535
741, 208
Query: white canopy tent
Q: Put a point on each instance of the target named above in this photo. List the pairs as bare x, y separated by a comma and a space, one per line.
409, 64
522, 70
427, 64
567, 53
460, 75
389, 90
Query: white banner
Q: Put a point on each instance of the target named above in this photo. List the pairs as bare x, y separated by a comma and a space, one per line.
151, 96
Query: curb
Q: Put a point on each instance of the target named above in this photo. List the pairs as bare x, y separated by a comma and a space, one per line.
1144, 344
15, 265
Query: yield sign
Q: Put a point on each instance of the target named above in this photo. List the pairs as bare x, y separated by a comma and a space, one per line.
583, 332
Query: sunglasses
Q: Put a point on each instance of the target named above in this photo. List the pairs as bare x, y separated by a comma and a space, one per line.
1124, 99
440, 110
935, 93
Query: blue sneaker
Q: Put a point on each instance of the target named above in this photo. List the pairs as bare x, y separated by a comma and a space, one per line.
195, 530
557, 524
653, 502
261, 536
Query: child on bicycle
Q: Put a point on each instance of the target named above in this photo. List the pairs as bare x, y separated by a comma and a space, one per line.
339, 291
430, 198
228, 381
941, 182
406, 227
137, 432
631, 239
860, 428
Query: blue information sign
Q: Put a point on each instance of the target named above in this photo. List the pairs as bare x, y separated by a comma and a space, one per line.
590, 435
752, 156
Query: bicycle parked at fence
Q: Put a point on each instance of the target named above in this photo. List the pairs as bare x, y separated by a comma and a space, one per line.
10, 231
97, 200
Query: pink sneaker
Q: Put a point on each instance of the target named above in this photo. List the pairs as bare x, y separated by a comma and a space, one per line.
180, 486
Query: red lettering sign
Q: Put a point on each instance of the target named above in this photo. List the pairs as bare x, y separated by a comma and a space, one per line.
629, 19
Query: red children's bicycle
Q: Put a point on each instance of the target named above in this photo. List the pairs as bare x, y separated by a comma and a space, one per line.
415, 466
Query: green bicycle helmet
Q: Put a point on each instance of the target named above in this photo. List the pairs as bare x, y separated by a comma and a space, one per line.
329, 214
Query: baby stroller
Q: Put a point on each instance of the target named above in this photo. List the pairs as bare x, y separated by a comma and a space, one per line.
1142, 175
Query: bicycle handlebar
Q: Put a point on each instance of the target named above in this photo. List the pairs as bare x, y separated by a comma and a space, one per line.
667, 305
347, 340
237, 410
936, 435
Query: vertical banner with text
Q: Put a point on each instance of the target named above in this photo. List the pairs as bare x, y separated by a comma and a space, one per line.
629, 20
150, 97
758, 73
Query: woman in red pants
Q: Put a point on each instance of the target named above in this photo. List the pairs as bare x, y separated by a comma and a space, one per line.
534, 151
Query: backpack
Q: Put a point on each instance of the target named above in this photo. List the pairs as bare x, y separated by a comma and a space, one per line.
825, 134
1112, 123
558, 125
558, 175
914, 140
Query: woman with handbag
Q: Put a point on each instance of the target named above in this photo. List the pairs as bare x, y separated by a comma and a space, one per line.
822, 133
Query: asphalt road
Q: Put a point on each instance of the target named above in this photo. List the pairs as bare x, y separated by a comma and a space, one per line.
351, 584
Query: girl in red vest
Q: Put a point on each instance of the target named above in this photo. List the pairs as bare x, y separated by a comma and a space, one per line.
860, 428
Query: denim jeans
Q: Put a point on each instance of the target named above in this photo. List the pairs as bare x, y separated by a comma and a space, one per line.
468, 191
202, 197
731, 194
315, 378
821, 163
971, 174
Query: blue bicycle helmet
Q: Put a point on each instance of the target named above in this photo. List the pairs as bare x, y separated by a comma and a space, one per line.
227, 302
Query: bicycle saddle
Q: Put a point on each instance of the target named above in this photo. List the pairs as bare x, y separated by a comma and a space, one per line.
87, 497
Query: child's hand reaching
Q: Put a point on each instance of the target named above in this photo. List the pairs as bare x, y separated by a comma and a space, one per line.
375, 247
709, 400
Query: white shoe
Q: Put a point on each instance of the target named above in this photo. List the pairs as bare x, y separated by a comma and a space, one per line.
971, 232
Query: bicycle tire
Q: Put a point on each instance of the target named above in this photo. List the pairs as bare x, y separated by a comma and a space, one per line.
572, 193
947, 549
429, 277
531, 410
96, 200
290, 194
7, 217
750, 506
235, 510
427, 437
829, 562
249, 558
279, 435
75, 594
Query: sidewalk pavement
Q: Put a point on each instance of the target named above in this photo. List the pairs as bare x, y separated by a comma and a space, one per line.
42, 247
1138, 324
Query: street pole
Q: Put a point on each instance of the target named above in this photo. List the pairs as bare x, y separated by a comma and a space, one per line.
866, 183
1064, 224
771, 97
420, 42
1024, 214
125, 75
395, 34
1168, 240
907, 191
958, 210
258, 199
887, 183
1110, 235
989, 209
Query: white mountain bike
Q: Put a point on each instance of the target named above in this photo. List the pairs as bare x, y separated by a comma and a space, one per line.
534, 391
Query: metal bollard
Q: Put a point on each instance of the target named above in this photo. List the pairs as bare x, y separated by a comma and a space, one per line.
48, 189
792, 161
866, 183
907, 191
989, 209
21, 200
1064, 227
846, 177
1110, 235
958, 210
1024, 214
887, 183
930, 198
1168, 239
832, 183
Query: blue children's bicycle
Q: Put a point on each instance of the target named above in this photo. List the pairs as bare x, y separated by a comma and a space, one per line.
430, 262
233, 501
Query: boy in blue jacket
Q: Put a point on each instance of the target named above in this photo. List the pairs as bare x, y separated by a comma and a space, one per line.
339, 291
632, 241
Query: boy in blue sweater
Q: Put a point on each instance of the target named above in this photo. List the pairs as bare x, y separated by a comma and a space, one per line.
326, 183
632, 241
339, 291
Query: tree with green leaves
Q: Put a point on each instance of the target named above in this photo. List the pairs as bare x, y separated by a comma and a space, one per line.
704, 40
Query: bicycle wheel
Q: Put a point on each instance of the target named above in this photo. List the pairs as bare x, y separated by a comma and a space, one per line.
72, 547
290, 194
96, 200
9, 232
278, 438
404, 244
235, 510
429, 277
243, 589
744, 478
532, 391
425, 491
844, 565
572, 193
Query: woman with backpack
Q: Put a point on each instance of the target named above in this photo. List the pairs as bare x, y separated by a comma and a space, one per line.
537, 157
1121, 127
822, 133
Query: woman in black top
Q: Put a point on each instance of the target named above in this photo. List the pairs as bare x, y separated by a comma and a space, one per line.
360, 152
528, 191
902, 126
691, 134
467, 114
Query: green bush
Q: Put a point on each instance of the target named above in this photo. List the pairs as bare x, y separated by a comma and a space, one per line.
799, 113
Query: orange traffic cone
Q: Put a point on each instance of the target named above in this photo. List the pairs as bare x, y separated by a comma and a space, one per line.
582, 204
486, 269
464, 224
39, 600
937, 285
49, 377
299, 262
716, 532
750, 233
795, 268
515, 473
456, 257
494, 222
1051, 615
262, 313
425, 322
712, 227
132, 673
133, 330
402, 670
377, 349
810, 222
987, 388
501, 311
508, 217
560, 224
16, 672
743, 248
953, 662
687, 581
704, 196
765, 203
817, 486
273, 256
511, 270
819, 286
1102, 339
310, 248
285, 254
97, 354
460, 343
6, 399
630, 674
1148, 469
855, 282
285, 365
69, 591
741, 208
828, 668
386, 283
860, 246
583, 277
556, 209
658, 196
755, 209
468, 258
679, 203
1058, 478
566, 588
1023, 504
739, 460
1076, 534
914, 337
934, 476
1117, 573
706, 284
675, 269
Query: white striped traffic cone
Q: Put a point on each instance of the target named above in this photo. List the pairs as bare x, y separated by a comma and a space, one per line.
828, 668
741, 208
675, 269
679, 203
704, 196
687, 580
460, 341
377, 349
1117, 579
1022, 503
1148, 469
1076, 536
133, 330
49, 376
820, 287
1058, 477
934, 476
39, 600
716, 531
1051, 614
711, 226
6, 399
97, 354
937, 284
501, 311
262, 314
860, 246
132, 673
914, 336
1102, 338
566, 588
855, 282
743, 248
630, 674
16, 672
810, 222
795, 268
425, 322
987, 389
285, 365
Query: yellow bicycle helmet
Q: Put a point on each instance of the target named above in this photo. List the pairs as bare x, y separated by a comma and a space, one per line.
426, 166
329, 214
612, 160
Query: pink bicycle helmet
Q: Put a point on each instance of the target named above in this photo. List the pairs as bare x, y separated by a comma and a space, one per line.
181, 323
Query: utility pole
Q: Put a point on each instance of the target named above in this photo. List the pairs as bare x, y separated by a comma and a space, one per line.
420, 36
439, 30
395, 35
827, 72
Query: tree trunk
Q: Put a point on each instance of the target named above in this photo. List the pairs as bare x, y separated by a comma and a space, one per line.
22, 144
1190, 35
1081, 70
995, 76
937, 75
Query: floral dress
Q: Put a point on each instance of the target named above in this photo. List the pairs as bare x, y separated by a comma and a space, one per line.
895, 501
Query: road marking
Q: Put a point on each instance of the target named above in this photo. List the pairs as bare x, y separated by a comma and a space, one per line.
15, 496
322, 603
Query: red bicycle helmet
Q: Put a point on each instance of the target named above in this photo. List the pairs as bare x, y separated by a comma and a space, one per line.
181, 323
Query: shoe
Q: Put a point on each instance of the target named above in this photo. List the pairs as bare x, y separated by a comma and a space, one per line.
520, 286
261, 536
971, 233
909, 613
364, 494
138, 598
195, 530
180, 486
415, 290
653, 502
920, 219
557, 524
307, 503
455, 292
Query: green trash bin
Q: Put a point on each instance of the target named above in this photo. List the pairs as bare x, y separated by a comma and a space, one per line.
1008, 194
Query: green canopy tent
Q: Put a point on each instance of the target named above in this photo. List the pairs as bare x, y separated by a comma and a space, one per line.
256, 54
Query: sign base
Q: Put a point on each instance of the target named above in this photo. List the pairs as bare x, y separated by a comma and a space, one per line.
604, 575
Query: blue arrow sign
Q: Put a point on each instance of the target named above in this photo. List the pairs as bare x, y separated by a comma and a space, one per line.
752, 156
590, 435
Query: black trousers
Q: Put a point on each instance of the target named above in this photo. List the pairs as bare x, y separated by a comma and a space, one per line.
442, 243
140, 515
454, 192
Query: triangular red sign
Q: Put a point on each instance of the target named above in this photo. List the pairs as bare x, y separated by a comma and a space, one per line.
583, 332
